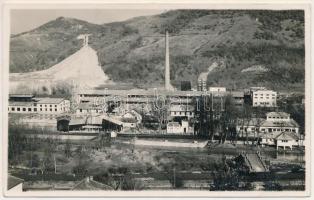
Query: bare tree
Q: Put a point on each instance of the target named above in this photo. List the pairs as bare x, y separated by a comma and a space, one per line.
160, 110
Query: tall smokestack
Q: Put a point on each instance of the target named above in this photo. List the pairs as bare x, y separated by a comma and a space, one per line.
167, 67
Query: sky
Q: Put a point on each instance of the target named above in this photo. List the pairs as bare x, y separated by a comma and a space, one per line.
25, 20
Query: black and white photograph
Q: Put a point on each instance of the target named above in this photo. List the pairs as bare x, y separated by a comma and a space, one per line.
159, 99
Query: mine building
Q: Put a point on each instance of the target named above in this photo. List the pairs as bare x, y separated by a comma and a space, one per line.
25, 103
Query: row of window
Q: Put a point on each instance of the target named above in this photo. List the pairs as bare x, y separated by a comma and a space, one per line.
262, 98
264, 103
263, 94
46, 105
182, 113
278, 118
23, 109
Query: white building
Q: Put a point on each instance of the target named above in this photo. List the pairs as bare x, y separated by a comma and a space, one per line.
275, 122
279, 122
88, 108
183, 110
52, 105
264, 98
30, 104
282, 139
177, 128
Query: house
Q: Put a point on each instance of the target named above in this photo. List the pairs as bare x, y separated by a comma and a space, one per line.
282, 139
275, 122
88, 108
24, 103
89, 124
264, 98
178, 128
15, 184
278, 122
133, 115
248, 126
182, 110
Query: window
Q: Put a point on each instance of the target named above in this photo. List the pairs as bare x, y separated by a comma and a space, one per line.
46, 109
56, 110
24, 109
35, 109
41, 109
29, 109
45, 105
41, 105
50, 105
55, 105
50, 109
13, 109
81, 110
18, 109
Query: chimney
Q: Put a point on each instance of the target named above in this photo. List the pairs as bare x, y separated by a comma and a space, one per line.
167, 69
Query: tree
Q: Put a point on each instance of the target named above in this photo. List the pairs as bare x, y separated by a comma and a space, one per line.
246, 118
67, 149
228, 119
160, 110
202, 120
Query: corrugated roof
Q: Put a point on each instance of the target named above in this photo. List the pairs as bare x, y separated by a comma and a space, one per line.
88, 106
49, 100
21, 103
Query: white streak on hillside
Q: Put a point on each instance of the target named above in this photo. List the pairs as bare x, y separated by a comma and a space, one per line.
82, 69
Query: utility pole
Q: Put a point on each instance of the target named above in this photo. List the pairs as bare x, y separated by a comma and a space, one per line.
55, 163
174, 176
211, 119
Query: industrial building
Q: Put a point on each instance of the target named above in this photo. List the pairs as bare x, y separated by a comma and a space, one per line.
261, 97
25, 103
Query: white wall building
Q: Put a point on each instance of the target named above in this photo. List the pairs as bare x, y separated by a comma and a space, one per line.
29, 104
282, 139
275, 122
177, 128
264, 98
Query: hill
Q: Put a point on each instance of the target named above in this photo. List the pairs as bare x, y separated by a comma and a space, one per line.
132, 51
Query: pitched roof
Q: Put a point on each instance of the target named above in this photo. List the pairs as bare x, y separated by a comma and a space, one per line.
287, 135
289, 123
277, 114
13, 181
252, 122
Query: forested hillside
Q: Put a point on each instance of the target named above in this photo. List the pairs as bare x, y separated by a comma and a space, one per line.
133, 51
